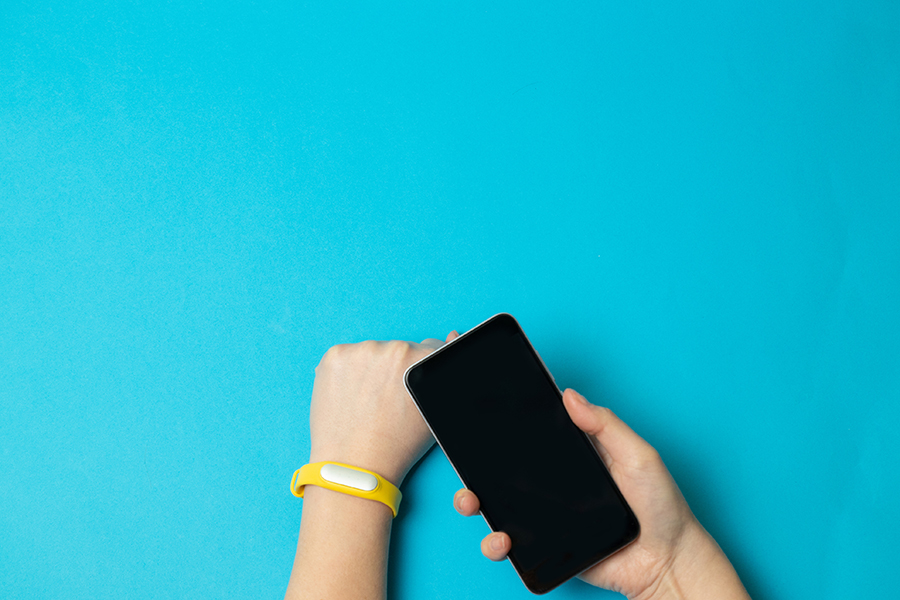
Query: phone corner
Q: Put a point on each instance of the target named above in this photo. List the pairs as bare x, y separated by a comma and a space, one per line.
539, 589
634, 531
406, 376
505, 315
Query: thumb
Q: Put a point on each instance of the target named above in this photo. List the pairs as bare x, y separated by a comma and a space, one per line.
617, 441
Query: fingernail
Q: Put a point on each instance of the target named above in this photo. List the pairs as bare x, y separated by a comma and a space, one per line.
457, 502
579, 397
497, 543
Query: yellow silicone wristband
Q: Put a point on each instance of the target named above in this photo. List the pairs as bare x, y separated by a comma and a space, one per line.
339, 480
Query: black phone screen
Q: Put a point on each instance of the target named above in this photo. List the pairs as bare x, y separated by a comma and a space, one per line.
499, 417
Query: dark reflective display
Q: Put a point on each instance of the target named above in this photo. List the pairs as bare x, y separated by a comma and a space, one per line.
501, 421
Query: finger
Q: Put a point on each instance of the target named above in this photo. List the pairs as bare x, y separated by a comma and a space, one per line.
496, 546
436, 343
466, 502
432, 343
619, 442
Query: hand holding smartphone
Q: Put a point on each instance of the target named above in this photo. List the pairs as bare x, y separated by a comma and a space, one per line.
495, 410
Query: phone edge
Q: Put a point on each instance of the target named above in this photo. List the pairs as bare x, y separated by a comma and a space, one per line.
586, 437
438, 442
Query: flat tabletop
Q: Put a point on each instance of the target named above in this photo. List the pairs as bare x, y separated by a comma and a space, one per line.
692, 210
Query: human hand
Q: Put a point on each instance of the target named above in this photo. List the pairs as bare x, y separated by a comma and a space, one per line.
673, 550
362, 415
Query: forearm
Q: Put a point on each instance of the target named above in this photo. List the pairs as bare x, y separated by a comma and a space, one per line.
342, 551
699, 571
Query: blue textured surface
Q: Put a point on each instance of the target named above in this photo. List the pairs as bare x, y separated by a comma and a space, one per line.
693, 210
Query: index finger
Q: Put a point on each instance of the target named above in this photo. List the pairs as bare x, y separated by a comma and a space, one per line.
432, 343
435, 343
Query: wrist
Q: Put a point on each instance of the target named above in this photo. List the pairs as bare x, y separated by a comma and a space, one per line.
340, 534
343, 506
697, 569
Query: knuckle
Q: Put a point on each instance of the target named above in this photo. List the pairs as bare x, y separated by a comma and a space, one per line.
336, 349
604, 412
648, 458
396, 345
397, 349
368, 345
330, 355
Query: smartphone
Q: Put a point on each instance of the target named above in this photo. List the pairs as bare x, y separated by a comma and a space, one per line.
499, 417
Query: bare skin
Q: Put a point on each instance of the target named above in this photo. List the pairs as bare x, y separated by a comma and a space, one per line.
361, 415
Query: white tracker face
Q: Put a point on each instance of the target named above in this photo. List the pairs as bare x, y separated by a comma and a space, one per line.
349, 477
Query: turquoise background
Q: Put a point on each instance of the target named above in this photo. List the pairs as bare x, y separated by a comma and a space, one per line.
693, 211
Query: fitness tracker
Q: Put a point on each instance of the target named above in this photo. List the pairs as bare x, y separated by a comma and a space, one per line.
347, 480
